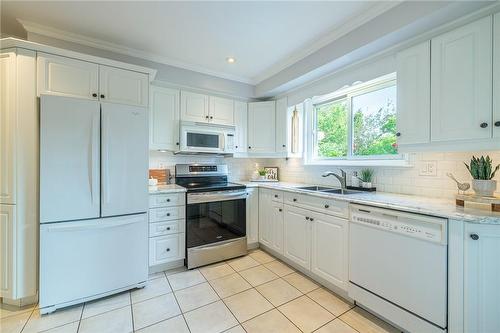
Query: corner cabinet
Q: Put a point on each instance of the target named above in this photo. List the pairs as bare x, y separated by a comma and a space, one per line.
414, 94
496, 75
19, 175
262, 127
461, 81
164, 114
70, 77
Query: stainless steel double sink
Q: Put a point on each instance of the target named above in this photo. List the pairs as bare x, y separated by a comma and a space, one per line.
325, 189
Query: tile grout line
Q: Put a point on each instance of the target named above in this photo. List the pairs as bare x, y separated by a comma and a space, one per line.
177, 302
28, 319
132, 309
81, 315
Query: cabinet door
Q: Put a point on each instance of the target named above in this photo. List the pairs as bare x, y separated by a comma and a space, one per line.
461, 81
164, 249
240, 121
482, 271
329, 249
281, 125
67, 77
123, 86
261, 127
164, 114
7, 220
7, 127
194, 107
496, 76
265, 215
414, 94
221, 111
277, 227
297, 236
252, 215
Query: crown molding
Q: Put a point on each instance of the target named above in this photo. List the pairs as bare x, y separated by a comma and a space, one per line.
335, 33
32, 27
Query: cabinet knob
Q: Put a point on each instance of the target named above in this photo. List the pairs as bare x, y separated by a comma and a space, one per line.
398, 134
327, 206
275, 195
474, 236
168, 228
311, 219
168, 200
497, 123
177, 143
484, 125
249, 147
294, 200
211, 117
283, 146
102, 96
307, 217
168, 214
280, 210
94, 95
168, 250
235, 146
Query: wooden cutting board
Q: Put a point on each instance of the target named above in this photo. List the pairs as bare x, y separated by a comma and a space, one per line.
162, 175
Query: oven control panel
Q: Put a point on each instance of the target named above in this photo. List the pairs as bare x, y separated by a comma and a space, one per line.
417, 226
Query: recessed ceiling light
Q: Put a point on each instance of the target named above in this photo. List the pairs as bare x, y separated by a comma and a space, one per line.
230, 60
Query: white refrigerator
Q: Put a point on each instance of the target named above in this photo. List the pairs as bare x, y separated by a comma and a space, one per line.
93, 200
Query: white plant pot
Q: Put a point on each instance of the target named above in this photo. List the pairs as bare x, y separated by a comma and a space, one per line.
484, 188
366, 184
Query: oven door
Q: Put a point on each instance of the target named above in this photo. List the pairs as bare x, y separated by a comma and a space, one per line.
213, 217
202, 140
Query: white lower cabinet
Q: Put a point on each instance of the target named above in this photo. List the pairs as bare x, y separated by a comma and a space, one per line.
252, 216
329, 249
7, 220
277, 227
167, 234
270, 221
298, 236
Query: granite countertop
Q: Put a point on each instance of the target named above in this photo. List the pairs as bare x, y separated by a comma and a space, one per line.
445, 208
170, 188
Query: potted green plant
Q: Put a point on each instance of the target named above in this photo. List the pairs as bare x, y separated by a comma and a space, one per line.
482, 173
366, 177
262, 174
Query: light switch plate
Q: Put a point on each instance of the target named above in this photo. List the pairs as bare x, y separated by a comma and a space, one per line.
428, 168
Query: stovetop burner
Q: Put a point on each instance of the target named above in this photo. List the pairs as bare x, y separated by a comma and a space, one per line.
204, 178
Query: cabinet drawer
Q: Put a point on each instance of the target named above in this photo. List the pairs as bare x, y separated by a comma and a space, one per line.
325, 205
164, 249
275, 195
166, 200
167, 213
166, 228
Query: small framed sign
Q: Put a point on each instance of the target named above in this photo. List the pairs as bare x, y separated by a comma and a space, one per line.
271, 173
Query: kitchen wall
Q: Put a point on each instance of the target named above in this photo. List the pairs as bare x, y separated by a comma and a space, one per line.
406, 180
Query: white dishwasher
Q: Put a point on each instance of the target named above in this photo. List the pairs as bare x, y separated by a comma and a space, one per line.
398, 266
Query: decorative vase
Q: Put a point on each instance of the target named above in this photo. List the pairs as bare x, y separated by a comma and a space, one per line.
484, 188
366, 184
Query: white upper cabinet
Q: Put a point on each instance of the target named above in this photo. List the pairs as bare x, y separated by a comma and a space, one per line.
496, 76
123, 86
164, 113
194, 107
221, 111
7, 128
281, 125
414, 94
261, 127
461, 83
67, 77
240, 122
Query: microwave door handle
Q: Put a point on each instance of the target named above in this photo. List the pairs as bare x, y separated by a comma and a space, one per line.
223, 143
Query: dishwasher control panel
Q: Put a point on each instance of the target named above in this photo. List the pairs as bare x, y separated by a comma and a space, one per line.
414, 225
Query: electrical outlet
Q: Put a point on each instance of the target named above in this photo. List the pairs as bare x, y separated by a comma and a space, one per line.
162, 165
429, 168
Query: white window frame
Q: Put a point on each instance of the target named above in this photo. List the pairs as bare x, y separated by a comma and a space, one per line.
348, 94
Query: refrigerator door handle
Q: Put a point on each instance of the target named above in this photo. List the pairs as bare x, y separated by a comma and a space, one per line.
105, 153
94, 160
90, 225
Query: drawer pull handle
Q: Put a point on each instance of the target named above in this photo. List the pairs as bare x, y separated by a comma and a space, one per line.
474, 236
327, 206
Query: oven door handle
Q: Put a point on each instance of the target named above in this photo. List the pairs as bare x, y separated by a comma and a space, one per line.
194, 198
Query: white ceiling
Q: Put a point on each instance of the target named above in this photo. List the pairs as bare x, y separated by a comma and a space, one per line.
264, 37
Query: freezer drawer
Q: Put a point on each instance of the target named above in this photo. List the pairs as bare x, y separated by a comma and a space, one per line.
82, 259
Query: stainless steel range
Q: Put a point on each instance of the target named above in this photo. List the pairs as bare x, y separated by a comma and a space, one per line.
215, 214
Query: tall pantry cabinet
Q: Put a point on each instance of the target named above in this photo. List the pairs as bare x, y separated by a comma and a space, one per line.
18, 175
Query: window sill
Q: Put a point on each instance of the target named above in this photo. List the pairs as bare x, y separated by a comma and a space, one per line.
395, 163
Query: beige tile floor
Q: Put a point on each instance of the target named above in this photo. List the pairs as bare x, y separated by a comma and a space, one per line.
255, 293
